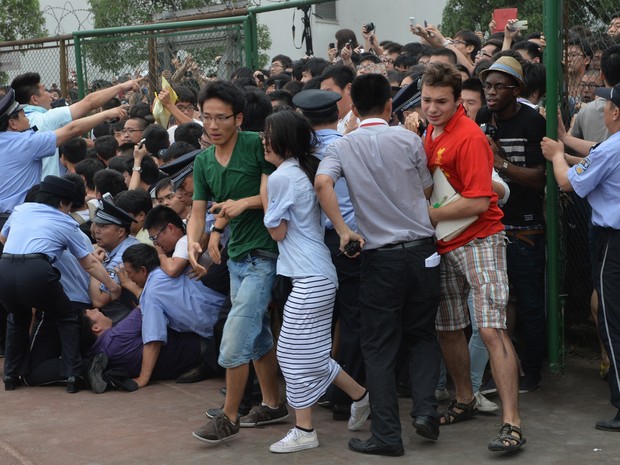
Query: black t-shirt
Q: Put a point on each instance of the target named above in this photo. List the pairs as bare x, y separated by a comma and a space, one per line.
520, 137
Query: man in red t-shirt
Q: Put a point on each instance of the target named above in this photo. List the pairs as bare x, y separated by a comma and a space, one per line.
474, 262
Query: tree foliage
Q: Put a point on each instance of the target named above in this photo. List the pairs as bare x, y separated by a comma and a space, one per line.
21, 19
466, 14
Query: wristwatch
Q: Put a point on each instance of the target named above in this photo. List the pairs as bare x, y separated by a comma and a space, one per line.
217, 230
138, 169
505, 165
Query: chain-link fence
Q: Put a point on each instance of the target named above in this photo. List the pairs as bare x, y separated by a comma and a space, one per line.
584, 38
188, 53
53, 58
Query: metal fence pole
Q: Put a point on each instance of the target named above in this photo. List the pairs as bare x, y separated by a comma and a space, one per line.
553, 33
254, 39
78, 66
64, 76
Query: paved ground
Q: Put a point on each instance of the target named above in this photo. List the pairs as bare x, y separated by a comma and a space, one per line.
47, 426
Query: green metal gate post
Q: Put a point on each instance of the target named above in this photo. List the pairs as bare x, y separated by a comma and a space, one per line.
553, 33
78, 66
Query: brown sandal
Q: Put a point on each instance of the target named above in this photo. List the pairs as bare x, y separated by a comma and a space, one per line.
451, 416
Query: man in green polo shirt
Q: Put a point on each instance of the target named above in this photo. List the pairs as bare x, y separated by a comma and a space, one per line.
231, 173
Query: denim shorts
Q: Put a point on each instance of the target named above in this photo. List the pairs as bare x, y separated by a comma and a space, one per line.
247, 332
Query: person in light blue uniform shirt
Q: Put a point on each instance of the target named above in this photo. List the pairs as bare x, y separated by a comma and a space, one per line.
111, 232
34, 238
23, 150
29, 91
320, 108
597, 178
181, 304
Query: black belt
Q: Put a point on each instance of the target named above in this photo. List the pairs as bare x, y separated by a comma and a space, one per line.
264, 254
25, 256
408, 244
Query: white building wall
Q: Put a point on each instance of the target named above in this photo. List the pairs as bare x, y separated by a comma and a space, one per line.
391, 19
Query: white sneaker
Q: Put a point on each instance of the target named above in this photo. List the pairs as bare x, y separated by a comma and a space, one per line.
485, 405
360, 411
442, 394
294, 441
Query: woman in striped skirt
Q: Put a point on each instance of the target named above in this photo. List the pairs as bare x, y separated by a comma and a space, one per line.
293, 218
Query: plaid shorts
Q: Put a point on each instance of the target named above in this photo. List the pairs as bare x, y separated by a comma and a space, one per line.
479, 268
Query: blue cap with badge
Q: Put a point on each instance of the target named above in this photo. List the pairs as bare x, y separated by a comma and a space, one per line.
109, 213
610, 93
315, 102
180, 168
9, 106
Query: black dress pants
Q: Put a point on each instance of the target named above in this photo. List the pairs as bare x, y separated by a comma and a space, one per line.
399, 298
34, 283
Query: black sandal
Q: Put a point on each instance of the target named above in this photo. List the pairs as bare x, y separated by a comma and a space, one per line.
506, 436
450, 416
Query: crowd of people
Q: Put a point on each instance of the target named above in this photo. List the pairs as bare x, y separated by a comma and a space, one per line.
365, 224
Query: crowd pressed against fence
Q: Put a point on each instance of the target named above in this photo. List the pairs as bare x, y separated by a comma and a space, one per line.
388, 197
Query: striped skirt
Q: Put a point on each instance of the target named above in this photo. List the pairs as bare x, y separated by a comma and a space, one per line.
305, 341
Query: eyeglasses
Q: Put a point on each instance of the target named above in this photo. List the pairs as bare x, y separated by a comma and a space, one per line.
368, 67
208, 119
185, 107
575, 55
483, 54
156, 236
498, 87
457, 41
276, 65
127, 131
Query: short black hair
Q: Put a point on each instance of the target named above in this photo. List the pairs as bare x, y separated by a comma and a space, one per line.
87, 169
282, 78
190, 133
475, 85
532, 49
610, 65
139, 255
293, 87
177, 149
74, 150
445, 52
160, 216
26, 85
285, 60
315, 66
370, 93
583, 44
257, 109
186, 94
109, 180
224, 91
281, 96
79, 186
340, 74
150, 170
106, 147
470, 38
156, 138
162, 184
370, 57
134, 201
405, 61
535, 79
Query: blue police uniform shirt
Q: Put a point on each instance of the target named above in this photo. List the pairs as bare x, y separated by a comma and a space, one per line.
49, 120
291, 197
73, 278
21, 164
38, 228
597, 178
180, 303
325, 138
115, 258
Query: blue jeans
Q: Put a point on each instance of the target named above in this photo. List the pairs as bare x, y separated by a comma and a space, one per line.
526, 275
247, 332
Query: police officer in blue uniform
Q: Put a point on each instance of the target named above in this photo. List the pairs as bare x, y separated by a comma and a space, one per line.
597, 178
34, 237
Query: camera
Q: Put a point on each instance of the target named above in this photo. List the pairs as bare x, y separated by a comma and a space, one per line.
352, 248
331, 45
489, 130
369, 27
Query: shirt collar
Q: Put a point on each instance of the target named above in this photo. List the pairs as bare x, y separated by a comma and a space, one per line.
34, 108
373, 122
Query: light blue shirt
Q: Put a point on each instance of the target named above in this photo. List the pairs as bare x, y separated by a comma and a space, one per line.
20, 161
73, 278
182, 304
291, 197
38, 228
49, 120
597, 178
325, 138
115, 258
